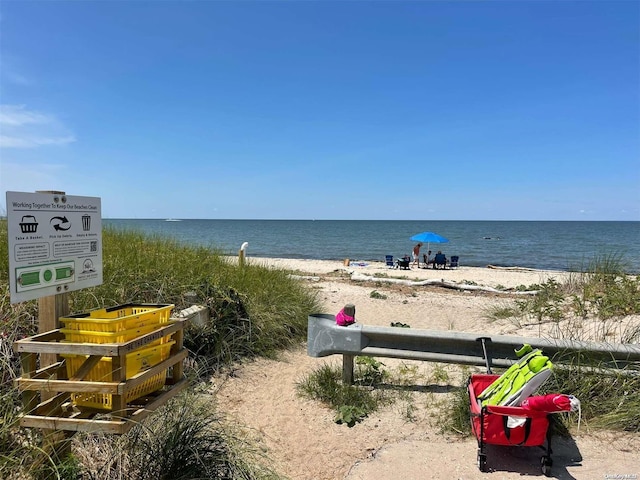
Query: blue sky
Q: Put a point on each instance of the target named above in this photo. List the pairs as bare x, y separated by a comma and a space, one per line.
443, 110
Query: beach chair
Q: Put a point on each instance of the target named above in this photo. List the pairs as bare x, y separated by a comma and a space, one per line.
453, 263
519, 381
404, 263
440, 261
389, 261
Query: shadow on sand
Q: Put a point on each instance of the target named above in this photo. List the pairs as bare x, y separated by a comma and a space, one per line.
527, 460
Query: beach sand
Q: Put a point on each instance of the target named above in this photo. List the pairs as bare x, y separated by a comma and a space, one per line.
404, 440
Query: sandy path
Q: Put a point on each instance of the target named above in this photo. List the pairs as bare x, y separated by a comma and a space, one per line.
402, 441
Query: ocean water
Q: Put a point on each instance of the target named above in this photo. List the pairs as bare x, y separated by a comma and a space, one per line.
543, 245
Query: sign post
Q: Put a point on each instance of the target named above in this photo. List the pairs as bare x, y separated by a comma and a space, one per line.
55, 244
55, 247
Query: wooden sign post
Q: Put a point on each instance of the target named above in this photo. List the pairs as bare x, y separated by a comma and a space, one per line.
50, 309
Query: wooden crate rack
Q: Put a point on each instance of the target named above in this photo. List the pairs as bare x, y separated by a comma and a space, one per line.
46, 392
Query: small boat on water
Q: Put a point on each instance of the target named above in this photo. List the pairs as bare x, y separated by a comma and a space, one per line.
172, 220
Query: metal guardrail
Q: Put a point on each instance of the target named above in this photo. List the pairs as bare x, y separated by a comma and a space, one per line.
325, 338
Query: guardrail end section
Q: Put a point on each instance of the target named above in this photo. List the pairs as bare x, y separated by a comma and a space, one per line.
325, 337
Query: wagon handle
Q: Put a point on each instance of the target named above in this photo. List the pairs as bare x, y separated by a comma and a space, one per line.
485, 352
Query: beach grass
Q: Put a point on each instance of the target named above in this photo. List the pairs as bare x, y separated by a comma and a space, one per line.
255, 311
351, 403
185, 439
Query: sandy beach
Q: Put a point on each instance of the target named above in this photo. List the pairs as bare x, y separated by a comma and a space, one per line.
404, 440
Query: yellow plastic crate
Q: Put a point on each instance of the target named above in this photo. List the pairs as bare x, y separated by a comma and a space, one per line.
104, 401
119, 318
85, 336
137, 361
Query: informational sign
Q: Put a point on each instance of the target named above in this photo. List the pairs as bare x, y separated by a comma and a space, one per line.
55, 244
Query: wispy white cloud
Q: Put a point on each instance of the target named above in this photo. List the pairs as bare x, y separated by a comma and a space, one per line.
24, 128
7, 141
16, 115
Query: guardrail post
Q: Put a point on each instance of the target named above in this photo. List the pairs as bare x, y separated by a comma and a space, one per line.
347, 369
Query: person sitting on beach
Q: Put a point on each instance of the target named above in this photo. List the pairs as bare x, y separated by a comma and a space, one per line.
404, 262
440, 260
416, 254
426, 260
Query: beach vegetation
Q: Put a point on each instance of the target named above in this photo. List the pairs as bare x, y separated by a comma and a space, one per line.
185, 439
454, 414
375, 386
255, 311
351, 403
588, 305
399, 325
440, 374
377, 295
500, 311
380, 275
371, 371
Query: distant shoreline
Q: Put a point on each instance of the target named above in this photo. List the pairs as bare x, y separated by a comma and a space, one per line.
558, 245
510, 277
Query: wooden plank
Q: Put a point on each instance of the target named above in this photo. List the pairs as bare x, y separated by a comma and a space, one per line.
119, 388
52, 405
90, 362
139, 342
103, 349
48, 372
46, 385
49, 342
140, 414
73, 424
81, 422
51, 336
119, 374
28, 363
50, 309
142, 377
177, 372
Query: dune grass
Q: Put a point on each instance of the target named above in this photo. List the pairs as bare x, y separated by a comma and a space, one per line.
255, 311
186, 439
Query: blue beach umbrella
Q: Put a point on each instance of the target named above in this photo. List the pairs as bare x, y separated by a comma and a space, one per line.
428, 237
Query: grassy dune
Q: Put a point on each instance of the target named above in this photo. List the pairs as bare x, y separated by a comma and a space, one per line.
255, 311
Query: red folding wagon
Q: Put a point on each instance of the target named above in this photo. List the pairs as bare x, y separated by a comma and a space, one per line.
509, 426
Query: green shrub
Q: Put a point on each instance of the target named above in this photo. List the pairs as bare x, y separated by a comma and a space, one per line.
352, 403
